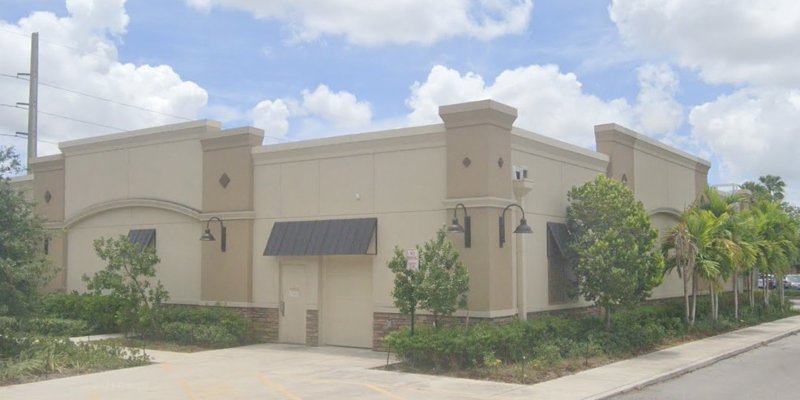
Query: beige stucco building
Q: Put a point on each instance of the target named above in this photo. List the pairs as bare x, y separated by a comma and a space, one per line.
332, 210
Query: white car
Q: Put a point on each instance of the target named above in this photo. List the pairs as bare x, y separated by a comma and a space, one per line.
791, 281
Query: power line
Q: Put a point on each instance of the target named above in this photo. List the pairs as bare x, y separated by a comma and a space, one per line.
68, 118
81, 121
50, 85
21, 137
28, 35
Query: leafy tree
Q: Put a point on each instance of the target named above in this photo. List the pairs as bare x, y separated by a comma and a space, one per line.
614, 244
128, 277
23, 269
446, 282
407, 285
439, 285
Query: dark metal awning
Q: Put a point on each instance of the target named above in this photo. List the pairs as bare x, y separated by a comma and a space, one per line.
560, 235
323, 237
143, 238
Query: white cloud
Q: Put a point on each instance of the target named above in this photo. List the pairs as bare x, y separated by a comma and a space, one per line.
657, 108
77, 52
754, 132
728, 41
369, 22
341, 108
751, 44
321, 112
272, 117
550, 102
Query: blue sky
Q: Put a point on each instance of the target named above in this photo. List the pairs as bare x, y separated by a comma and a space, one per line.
714, 78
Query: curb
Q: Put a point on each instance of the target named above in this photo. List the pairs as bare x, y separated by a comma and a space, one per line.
690, 367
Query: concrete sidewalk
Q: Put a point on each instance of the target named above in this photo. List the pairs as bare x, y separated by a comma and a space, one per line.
278, 371
631, 374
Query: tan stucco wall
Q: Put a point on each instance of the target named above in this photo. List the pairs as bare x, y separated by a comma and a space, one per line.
553, 169
169, 172
397, 178
176, 245
160, 163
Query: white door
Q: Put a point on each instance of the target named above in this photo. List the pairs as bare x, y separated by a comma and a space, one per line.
292, 321
347, 308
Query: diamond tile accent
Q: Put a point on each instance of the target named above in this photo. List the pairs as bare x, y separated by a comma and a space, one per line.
224, 180
47, 196
466, 161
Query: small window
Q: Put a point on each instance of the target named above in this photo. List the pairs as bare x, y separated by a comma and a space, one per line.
143, 238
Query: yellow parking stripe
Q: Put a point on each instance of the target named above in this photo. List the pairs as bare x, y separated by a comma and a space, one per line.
276, 387
188, 390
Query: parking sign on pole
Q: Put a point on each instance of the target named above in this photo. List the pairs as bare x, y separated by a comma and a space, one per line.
412, 259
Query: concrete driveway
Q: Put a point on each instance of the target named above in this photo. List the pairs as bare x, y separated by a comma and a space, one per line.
279, 371
266, 371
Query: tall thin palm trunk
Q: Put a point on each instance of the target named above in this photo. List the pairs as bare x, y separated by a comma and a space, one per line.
694, 299
736, 296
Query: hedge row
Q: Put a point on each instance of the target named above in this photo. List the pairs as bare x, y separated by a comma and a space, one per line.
544, 339
43, 326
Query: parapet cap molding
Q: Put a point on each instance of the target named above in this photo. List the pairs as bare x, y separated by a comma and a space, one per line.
53, 162
246, 136
480, 112
159, 134
617, 133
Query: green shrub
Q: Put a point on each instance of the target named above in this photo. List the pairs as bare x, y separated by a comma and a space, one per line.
55, 327
35, 356
8, 325
232, 322
43, 327
103, 313
206, 326
198, 334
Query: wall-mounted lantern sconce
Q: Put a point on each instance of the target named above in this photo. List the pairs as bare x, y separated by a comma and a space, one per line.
521, 228
207, 236
456, 227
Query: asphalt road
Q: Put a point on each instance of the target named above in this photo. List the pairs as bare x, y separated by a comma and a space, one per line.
769, 372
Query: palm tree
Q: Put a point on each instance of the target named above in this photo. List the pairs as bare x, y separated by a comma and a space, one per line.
680, 253
775, 186
743, 234
706, 231
779, 245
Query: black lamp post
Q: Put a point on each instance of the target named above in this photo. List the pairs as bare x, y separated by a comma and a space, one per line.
455, 226
208, 237
521, 228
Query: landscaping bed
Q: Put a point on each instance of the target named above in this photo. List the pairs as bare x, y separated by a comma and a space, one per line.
548, 347
38, 347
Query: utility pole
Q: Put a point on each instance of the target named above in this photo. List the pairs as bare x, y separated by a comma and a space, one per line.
33, 98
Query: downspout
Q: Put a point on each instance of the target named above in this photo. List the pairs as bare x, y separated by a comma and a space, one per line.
521, 189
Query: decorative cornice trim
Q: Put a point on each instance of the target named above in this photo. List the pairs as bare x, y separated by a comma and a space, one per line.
53, 162
233, 138
622, 135
493, 202
431, 136
128, 203
158, 135
665, 210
